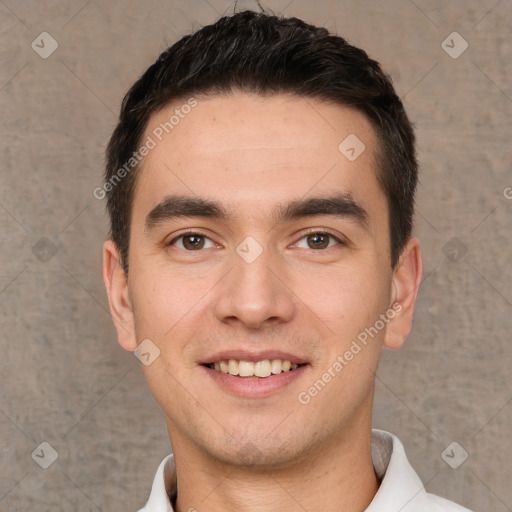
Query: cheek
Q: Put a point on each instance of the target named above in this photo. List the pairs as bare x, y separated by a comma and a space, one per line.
161, 300
347, 298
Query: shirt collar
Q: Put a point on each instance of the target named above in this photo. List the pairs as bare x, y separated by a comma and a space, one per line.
399, 488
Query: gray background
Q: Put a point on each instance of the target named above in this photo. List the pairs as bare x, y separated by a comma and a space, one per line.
65, 380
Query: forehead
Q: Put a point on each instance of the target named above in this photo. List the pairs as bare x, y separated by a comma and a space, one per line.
247, 149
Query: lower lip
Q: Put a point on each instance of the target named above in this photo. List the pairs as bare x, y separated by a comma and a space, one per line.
255, 387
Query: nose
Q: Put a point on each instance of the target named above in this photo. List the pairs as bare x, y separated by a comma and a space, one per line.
254, 294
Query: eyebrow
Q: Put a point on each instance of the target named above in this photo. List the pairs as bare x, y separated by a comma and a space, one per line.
338, 205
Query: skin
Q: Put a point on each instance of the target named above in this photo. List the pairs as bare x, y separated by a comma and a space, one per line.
250, 153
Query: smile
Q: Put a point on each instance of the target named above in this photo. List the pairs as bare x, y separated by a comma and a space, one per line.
261, 369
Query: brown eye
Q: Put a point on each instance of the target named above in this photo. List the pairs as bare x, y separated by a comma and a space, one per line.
318, 241
192, 242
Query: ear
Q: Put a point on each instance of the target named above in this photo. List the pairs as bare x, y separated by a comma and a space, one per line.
118, 296
406, 283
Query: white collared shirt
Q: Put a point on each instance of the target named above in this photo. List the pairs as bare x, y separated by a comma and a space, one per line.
400, 488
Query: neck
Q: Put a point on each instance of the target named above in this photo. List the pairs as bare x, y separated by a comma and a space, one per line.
335, 476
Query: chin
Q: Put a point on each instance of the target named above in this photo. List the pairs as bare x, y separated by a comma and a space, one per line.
262, 453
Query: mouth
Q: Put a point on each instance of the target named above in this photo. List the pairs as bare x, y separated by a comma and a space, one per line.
250, 374
262, 369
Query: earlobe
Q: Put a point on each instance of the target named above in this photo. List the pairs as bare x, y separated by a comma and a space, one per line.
405, 286
119, 300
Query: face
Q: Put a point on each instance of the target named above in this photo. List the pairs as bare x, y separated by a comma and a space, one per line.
255, 239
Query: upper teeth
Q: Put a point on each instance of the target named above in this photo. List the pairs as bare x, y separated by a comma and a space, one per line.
263, 368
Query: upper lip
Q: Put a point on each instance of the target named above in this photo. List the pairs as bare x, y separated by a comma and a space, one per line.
250, 355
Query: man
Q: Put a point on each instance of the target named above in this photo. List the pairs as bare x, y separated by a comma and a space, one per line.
261, 188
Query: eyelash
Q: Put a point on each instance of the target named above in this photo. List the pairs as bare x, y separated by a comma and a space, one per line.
310, 232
